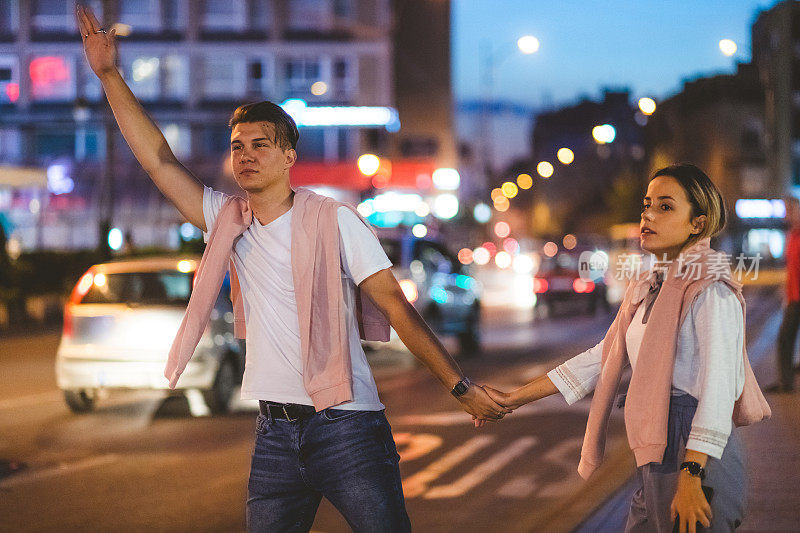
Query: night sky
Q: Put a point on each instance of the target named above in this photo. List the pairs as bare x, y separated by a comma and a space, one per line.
647, 45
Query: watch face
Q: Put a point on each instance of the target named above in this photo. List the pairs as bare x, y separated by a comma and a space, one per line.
460, 388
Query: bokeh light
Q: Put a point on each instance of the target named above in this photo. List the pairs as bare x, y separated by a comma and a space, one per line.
525, 181
550, 249
565, 155
502, 229
545, 169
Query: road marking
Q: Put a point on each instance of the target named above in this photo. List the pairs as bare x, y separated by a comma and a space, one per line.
417, 484
519, 487
412, 446
30, 399
66, 468
483, 471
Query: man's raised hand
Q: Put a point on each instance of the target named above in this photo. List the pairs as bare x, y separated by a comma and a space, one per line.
99, 46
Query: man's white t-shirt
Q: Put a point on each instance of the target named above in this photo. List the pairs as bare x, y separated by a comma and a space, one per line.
262, 256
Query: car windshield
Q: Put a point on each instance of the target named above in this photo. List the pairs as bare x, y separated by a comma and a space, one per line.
167, 287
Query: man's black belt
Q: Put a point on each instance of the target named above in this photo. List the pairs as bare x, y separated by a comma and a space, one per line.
285, 411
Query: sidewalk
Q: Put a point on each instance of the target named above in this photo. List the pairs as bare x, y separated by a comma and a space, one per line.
773, 449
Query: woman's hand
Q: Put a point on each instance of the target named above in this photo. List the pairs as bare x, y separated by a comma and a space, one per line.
503, 398
99, 46
690, 504
507, 399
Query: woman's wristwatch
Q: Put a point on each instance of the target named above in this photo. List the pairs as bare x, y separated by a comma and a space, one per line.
694, 469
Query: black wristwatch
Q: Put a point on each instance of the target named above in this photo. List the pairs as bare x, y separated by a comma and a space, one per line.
461, 387
694, 469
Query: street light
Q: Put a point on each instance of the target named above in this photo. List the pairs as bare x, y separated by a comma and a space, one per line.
728, 47
528, 44
492, 58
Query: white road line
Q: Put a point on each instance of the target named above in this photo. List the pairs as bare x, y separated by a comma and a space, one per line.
518, 487
482, 471
30, 399
417, 484
60, 470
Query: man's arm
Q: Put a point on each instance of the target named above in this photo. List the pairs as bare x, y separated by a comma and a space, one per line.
145, 139
383, 289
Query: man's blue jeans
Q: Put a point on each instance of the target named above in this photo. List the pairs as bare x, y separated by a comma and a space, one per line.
349, 457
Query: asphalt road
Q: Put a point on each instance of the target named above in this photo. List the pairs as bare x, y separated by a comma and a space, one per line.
140, 462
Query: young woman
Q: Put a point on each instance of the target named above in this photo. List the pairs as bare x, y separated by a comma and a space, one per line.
681, 329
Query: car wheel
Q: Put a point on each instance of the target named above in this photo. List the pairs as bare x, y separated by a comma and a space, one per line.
218, 398
80, 401
469, 340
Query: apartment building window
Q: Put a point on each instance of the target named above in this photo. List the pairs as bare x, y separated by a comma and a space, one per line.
179, 139
310, 15
143, 74
258, 80
52, 78
154, 77
344, 79
343, 8
9, 79
224, 77
176, 76
300, 74
50, 144
10, 145
9, 17
141, 15
224, 15
89, 85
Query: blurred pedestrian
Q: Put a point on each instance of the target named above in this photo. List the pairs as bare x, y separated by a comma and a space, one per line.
787, 336
309, 279
681, 329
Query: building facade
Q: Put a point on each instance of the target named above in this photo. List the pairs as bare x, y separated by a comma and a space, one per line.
190, 63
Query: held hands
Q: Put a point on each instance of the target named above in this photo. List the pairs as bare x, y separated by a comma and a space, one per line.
100, 47
478, 403
504, 399
690, 504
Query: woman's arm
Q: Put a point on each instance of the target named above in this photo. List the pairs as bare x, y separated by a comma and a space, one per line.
574, 379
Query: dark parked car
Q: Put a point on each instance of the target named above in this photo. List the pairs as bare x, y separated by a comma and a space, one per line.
439, 286
559, 287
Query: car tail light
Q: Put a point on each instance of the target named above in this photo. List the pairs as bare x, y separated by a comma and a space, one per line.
539, 285
409, 289
582, 285
82, 287
80, 290
67, 331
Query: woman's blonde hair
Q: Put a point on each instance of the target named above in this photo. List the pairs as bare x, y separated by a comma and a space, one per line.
703, 195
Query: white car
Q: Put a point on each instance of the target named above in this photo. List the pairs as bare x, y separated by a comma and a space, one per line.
119, 324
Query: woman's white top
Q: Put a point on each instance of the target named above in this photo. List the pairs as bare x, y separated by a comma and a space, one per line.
708, 365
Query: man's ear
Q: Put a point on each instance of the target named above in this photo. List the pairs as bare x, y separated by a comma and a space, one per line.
290, 156
698, 224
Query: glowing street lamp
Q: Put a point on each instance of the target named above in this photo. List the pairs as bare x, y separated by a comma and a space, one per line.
528, 44
565, 155
647, 105
604, 134
728, 47
369, 164
545, 169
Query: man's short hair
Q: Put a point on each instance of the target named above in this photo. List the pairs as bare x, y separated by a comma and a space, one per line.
286, 134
